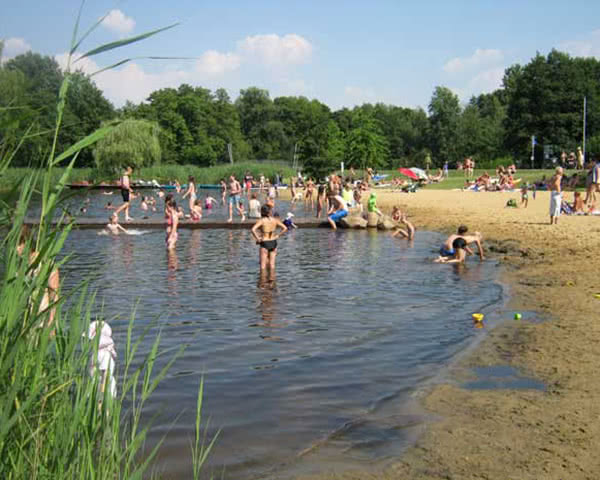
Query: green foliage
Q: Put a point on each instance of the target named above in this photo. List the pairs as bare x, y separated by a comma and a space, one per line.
55, 420
132, 143
444, 115
365, 145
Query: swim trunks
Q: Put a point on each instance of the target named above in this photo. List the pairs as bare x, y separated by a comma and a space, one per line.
268, 245
234, 199
338, 215
446, 253
125, 194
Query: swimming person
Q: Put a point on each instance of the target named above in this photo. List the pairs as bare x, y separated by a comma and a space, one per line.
337, 211
267, 239
235, 189
209, 201
113, 226
126, 193
191, 191
289, 221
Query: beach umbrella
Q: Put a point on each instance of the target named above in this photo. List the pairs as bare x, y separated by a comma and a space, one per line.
409, 173
419, 172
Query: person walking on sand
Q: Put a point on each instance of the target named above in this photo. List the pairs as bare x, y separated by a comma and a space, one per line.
555, 195
267, 239
235, 190
126, 193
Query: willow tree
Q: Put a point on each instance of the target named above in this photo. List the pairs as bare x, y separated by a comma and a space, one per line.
132, 143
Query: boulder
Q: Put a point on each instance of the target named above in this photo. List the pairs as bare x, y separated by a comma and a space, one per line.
386, 223
372, 220
353, 221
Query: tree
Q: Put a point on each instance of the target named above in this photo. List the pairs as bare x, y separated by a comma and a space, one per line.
444, 111
132, 143
255, 109
365, 144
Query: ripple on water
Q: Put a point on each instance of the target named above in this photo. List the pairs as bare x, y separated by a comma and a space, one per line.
355, 322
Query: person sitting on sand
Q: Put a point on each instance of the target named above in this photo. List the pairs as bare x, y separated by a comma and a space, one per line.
459, 249
396, 214
113, 226
448, 251
524, 196
409, 233
578, 204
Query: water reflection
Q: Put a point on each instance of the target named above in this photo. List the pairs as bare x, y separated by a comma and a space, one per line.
351, 318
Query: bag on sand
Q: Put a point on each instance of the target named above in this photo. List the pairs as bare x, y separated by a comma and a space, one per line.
512, 203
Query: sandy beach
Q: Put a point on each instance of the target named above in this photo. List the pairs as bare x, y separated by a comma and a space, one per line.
516, 434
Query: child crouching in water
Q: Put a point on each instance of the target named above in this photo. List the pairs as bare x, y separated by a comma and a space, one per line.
113, 226
196, 213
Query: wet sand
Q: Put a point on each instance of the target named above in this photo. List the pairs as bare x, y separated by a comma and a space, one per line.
516, 434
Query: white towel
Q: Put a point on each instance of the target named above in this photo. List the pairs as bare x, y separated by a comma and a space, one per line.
105, 360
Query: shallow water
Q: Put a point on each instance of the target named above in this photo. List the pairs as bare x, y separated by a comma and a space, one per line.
310, 374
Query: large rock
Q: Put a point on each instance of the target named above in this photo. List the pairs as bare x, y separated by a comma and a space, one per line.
386, 223
372, 220
353, 221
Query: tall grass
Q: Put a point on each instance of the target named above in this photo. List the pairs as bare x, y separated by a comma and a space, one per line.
55, 420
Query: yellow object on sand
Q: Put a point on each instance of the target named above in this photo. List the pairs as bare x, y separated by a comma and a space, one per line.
478, 317
597, 295
570, 283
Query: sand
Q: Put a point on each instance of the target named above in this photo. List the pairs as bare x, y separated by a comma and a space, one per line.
517, 434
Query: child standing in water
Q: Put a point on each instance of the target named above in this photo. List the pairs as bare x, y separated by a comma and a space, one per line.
267, 239
172, 222
191, 192
113, 225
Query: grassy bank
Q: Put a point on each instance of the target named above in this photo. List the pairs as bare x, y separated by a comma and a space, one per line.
162, 173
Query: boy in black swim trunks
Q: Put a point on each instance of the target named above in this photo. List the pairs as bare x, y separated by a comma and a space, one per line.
126, 193
267, 240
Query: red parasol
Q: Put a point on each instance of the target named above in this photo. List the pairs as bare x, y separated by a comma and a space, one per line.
408, 173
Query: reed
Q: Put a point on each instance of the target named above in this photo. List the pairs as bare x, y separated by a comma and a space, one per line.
57, 421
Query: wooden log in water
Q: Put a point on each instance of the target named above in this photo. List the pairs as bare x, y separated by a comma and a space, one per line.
96, 223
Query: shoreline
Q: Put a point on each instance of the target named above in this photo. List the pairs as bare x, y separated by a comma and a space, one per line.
505, 433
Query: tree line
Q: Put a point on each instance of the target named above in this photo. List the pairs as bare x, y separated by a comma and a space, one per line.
196, 126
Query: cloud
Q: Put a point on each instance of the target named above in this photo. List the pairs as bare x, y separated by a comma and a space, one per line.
487, 81
13, 47
479, 59
273, 50
212, 69
588, 46
116, 21
212, 62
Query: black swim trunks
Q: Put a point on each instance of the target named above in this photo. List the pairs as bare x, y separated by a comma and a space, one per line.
125, 194
268, 245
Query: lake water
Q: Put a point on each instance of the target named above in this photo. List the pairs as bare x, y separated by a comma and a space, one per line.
313, 373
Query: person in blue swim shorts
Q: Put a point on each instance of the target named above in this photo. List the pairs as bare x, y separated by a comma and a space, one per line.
235, 190
448, 250
338, 210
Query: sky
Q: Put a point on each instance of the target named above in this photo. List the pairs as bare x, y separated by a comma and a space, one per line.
343, 53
